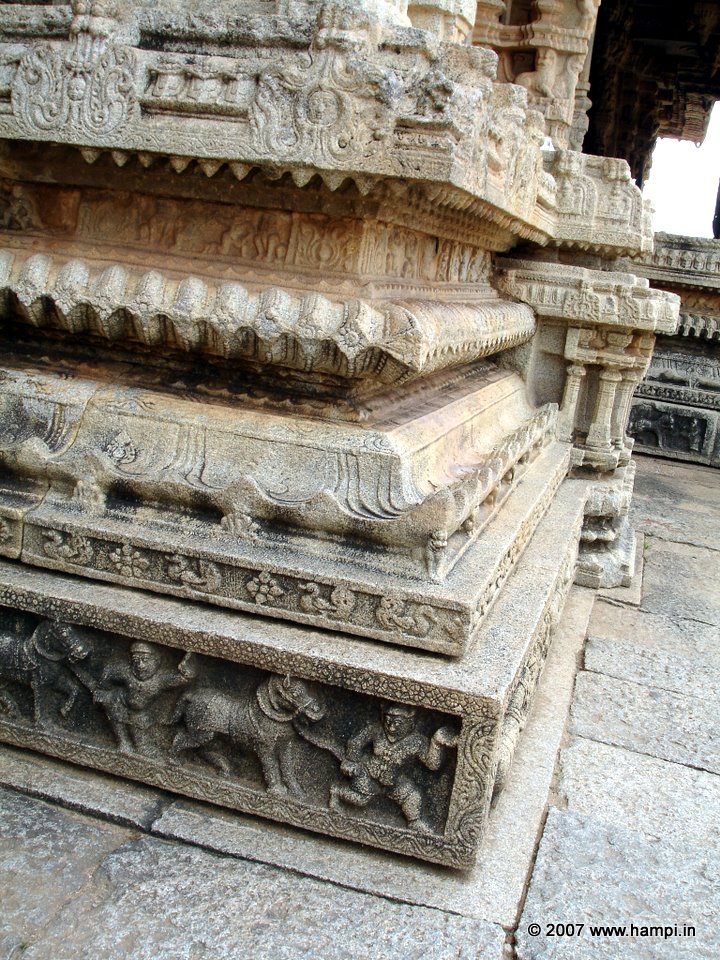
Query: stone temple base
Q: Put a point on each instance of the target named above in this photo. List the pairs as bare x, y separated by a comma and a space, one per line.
608, 542
389, 747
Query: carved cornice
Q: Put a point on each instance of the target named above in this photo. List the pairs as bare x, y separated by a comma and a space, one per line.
350, 103
702, 326
683, 263
598, 205
583, 297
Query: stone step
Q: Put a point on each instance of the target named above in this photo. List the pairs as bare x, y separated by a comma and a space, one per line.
389, 747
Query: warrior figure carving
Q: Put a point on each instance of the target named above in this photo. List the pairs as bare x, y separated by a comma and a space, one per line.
129, 694
378, 759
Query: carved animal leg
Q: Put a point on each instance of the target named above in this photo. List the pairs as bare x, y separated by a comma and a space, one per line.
184, 740
8, 706
69, 703
271, 770
285, 751
217, 759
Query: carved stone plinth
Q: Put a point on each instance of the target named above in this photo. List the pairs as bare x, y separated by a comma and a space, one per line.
608, 542
385, 746
270, 394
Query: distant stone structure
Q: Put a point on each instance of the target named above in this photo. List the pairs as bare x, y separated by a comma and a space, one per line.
676, 412
318, 356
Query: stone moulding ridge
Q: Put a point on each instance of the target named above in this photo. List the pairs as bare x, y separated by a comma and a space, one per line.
244, 567
686, 263
379, 340
705, 326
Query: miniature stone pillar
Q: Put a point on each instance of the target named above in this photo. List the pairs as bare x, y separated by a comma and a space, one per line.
600, 434
568, 408
625, 390
605, 323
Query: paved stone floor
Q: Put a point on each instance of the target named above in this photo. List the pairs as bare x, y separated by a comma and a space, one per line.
610, 817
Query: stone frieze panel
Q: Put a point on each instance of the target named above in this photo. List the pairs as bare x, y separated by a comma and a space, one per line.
347, 104
672, 427
316, 754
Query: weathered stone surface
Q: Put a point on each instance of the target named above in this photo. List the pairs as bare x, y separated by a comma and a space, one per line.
648, 720
549, 60
83, 790
688, 668
675, 804
352, 536
491, 891
48, 857
152, 899
260, 354
682, 581
590, 873
654, 631
632, 593
422, 111
676, 412
679, 430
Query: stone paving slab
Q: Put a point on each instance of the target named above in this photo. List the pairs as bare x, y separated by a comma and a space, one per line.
667, 801
154, 900
655, 631
680, 655
672, 501
682, 582
677, 473
648, 720
681, 670
87, 791
47, 857
592, 873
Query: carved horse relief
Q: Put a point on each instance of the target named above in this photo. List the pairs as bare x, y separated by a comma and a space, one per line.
49, 660
264, 726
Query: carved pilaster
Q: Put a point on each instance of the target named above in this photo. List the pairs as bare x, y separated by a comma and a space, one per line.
624, 396
568, 409
600, 434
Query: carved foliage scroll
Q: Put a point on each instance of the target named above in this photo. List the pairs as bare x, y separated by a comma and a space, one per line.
88, 94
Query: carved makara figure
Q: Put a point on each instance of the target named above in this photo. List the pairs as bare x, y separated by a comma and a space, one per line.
130, 696
266, 724
380, 758
49, 660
